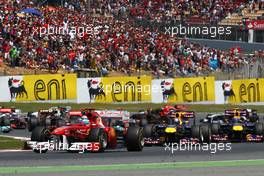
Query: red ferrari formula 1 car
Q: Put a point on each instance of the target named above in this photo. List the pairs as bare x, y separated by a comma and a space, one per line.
119, 118
94, 133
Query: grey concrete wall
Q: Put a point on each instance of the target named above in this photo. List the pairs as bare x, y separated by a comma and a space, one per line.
226, 45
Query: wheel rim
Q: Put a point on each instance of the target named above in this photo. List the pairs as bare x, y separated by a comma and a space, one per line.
210, 135
55, 140
142, 140
103, 140
46, 135
201, 136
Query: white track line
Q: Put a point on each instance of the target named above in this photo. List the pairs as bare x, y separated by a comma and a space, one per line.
16, 137
7, 151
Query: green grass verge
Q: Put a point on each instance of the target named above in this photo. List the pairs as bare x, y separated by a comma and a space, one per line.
10, 143
29, 107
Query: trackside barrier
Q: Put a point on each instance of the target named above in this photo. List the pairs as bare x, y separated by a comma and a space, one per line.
38, 87
63, 88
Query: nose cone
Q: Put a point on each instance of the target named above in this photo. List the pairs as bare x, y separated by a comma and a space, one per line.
60, 131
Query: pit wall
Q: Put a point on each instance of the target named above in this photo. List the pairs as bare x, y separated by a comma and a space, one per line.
68, 88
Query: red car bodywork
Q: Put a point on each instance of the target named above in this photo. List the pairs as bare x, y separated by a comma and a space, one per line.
167, 108
6, 110
81, 131
76, 113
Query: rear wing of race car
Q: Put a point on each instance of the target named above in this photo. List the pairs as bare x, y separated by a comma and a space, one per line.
6, 110
114, 114
234, 112
185, 114
76, 113
188, 114
66, 108
46, 111
181, 107
9, 110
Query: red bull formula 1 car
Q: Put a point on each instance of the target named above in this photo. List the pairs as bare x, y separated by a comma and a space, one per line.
236, 125
152, 116
178, 127
171, 124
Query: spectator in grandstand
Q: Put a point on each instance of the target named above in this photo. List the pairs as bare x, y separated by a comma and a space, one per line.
1, 59
114, 44
261, 4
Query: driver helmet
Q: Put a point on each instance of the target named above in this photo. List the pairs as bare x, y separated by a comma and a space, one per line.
57, 113
85, 121
176, 120
236, 115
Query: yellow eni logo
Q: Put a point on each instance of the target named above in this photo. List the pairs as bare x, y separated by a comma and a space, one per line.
198, 92
195, 89
248, 90
50, 87
125, 89
45, 91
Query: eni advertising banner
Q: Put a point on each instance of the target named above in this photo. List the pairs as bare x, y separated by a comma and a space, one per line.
44, 87
200, 89
240, 91
10, 88
114, 89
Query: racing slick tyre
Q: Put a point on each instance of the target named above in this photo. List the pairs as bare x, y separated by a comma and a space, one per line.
143, 122
60, 122
134, 139
148, 130
71, 140
32, 123
196, 132
259, 128
140, 119
98, 135
5, 131
155, 117
206, 133
215, 128
6, 121
170, 139
47, 122
40, 134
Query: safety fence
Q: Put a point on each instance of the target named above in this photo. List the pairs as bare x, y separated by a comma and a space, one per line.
67, 87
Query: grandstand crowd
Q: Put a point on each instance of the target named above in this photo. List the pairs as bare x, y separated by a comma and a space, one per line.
113, 43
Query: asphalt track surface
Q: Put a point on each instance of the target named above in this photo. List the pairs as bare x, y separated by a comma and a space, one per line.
242, 160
